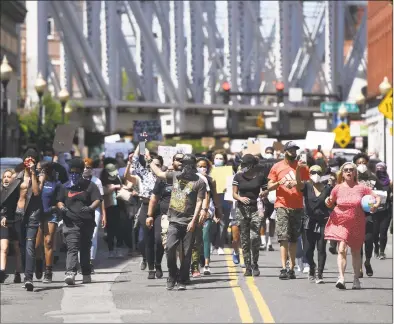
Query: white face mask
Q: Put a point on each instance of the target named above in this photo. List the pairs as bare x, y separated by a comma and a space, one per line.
268, 156
87, 173
362, 168
315, 178
202, 170
218, 162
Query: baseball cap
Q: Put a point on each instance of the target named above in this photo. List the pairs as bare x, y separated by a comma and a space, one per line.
111, 169
248, 159
291, 145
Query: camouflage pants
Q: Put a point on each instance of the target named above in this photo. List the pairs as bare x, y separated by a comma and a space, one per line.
288, 224
249, 221
197, 247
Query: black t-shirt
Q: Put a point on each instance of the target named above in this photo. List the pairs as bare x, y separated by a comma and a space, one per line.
315, 206
9, 204
249, 188
163, 190
77, 197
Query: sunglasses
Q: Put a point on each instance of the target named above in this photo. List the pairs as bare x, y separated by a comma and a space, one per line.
315, 172
348, 170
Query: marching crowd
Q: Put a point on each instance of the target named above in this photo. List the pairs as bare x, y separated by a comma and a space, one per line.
307, 198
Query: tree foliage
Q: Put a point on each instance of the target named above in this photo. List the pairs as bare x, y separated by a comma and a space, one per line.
28, 121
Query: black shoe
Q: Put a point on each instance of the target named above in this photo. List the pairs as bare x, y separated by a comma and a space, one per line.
2, 276
368, 269
152, 274
291, 274
283, 274
39, 269
256, 271
17, 278
28, 285
159, 272
270, 248
333, 250
92, 268
170, 284
47, 277
248, 272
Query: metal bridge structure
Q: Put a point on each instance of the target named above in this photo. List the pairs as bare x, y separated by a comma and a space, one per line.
176, 54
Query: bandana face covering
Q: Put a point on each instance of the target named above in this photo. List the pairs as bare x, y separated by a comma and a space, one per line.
74, 180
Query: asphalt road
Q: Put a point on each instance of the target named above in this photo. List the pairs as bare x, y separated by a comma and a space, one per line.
120, 292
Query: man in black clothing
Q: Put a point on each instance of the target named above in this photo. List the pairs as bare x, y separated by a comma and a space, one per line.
78, 200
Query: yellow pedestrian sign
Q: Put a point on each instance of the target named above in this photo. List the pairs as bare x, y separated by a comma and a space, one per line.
342, 135
386, 105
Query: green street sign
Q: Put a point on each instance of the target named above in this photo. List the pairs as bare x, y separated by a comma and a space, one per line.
333, 107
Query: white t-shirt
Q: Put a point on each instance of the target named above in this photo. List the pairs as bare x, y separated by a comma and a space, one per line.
99, 185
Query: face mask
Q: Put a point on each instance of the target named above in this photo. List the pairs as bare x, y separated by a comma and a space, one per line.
202, 170
47, 158
268, 156
87, 173
315, 178
6, 184
290, 157
362, 168
74, 179
218, 162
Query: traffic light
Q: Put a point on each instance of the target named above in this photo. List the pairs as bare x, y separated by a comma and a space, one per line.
279, 86
226, 92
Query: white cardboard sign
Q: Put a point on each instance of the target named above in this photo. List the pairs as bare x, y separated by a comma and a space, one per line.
167, 153
314, 139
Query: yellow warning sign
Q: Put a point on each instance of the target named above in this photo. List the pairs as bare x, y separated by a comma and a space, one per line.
342, 135
386, 105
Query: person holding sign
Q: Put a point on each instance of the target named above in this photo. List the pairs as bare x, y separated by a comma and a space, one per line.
247, 188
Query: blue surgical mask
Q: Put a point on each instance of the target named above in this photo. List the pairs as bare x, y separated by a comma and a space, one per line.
218, 162
47, 158
202, 170
74, 179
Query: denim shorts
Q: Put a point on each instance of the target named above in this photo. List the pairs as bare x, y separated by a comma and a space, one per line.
51, 218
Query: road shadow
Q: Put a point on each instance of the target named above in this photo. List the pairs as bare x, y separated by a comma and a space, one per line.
209, 280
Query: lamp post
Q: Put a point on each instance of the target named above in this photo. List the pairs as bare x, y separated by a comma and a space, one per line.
63, 97
342, 112
40, 87
384, 87
5, 75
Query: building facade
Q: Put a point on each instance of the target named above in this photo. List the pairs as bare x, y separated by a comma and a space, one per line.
12, 16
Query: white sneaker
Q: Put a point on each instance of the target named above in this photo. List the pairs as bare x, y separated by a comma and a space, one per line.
207, 271
220, 251
356, 284
111, 254
341, 284
306, 268
300, 265
70, 279
119, 254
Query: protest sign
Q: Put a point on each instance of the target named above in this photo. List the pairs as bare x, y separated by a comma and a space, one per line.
314, 139
228, 195
185, 148
237, 145
167, 153
112, 148
112, 138
220, 175
266, 142
64, 137
152, 128
208, 142
253, 148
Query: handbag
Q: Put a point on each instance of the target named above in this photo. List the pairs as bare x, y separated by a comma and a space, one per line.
124, 194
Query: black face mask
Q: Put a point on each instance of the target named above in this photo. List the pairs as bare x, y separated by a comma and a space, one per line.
290, 157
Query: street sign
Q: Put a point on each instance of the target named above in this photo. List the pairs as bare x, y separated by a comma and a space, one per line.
342, 135
295, 94
386, 105
333, 107
358, 128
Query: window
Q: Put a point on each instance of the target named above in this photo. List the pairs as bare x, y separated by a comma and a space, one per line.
50, 27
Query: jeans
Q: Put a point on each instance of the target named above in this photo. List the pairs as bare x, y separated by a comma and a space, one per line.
302, 247
316, 239
219, 231
381, 224
29, 250
153, 240
78, 238
178, 233
93, 250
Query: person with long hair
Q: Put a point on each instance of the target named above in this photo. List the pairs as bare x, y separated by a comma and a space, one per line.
347, 222
247, 188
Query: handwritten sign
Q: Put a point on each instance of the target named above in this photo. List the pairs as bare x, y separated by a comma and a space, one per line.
152, 128
325, 139
253, 148
64, 137
112, 148
185, 148
228, 195
220, 175
167, 153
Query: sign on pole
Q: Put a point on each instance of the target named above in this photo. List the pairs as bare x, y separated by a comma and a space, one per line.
342, 135
333, 107
295, 94
386, 105
358, 128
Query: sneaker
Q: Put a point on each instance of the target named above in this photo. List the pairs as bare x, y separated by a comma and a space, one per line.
111, 255
361, 274
263, 247
382, 256
306, 268
220, 251
196, 273
143, 265
333, 250
47, 277
119, 254
291, 274
39, 269
319, 279
17, 278
356, 284
92, 268
341, 284
181, 286
243, 266
312, 275
2, 276
159, 272
248, 272
152, 274
235, 258
283, 274
270, 248
255, 270
170, 284
86, 279
207, 271
300, 265
70, 279
28, 285
368, 269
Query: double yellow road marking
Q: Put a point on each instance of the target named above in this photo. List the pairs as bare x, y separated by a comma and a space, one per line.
240, 299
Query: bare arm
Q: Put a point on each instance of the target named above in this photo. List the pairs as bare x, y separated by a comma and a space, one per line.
154, 200
273, 185
95, 204
35, 186
158, 172
197, 210
300, 183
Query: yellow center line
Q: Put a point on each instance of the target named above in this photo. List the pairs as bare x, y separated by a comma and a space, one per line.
244, 311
